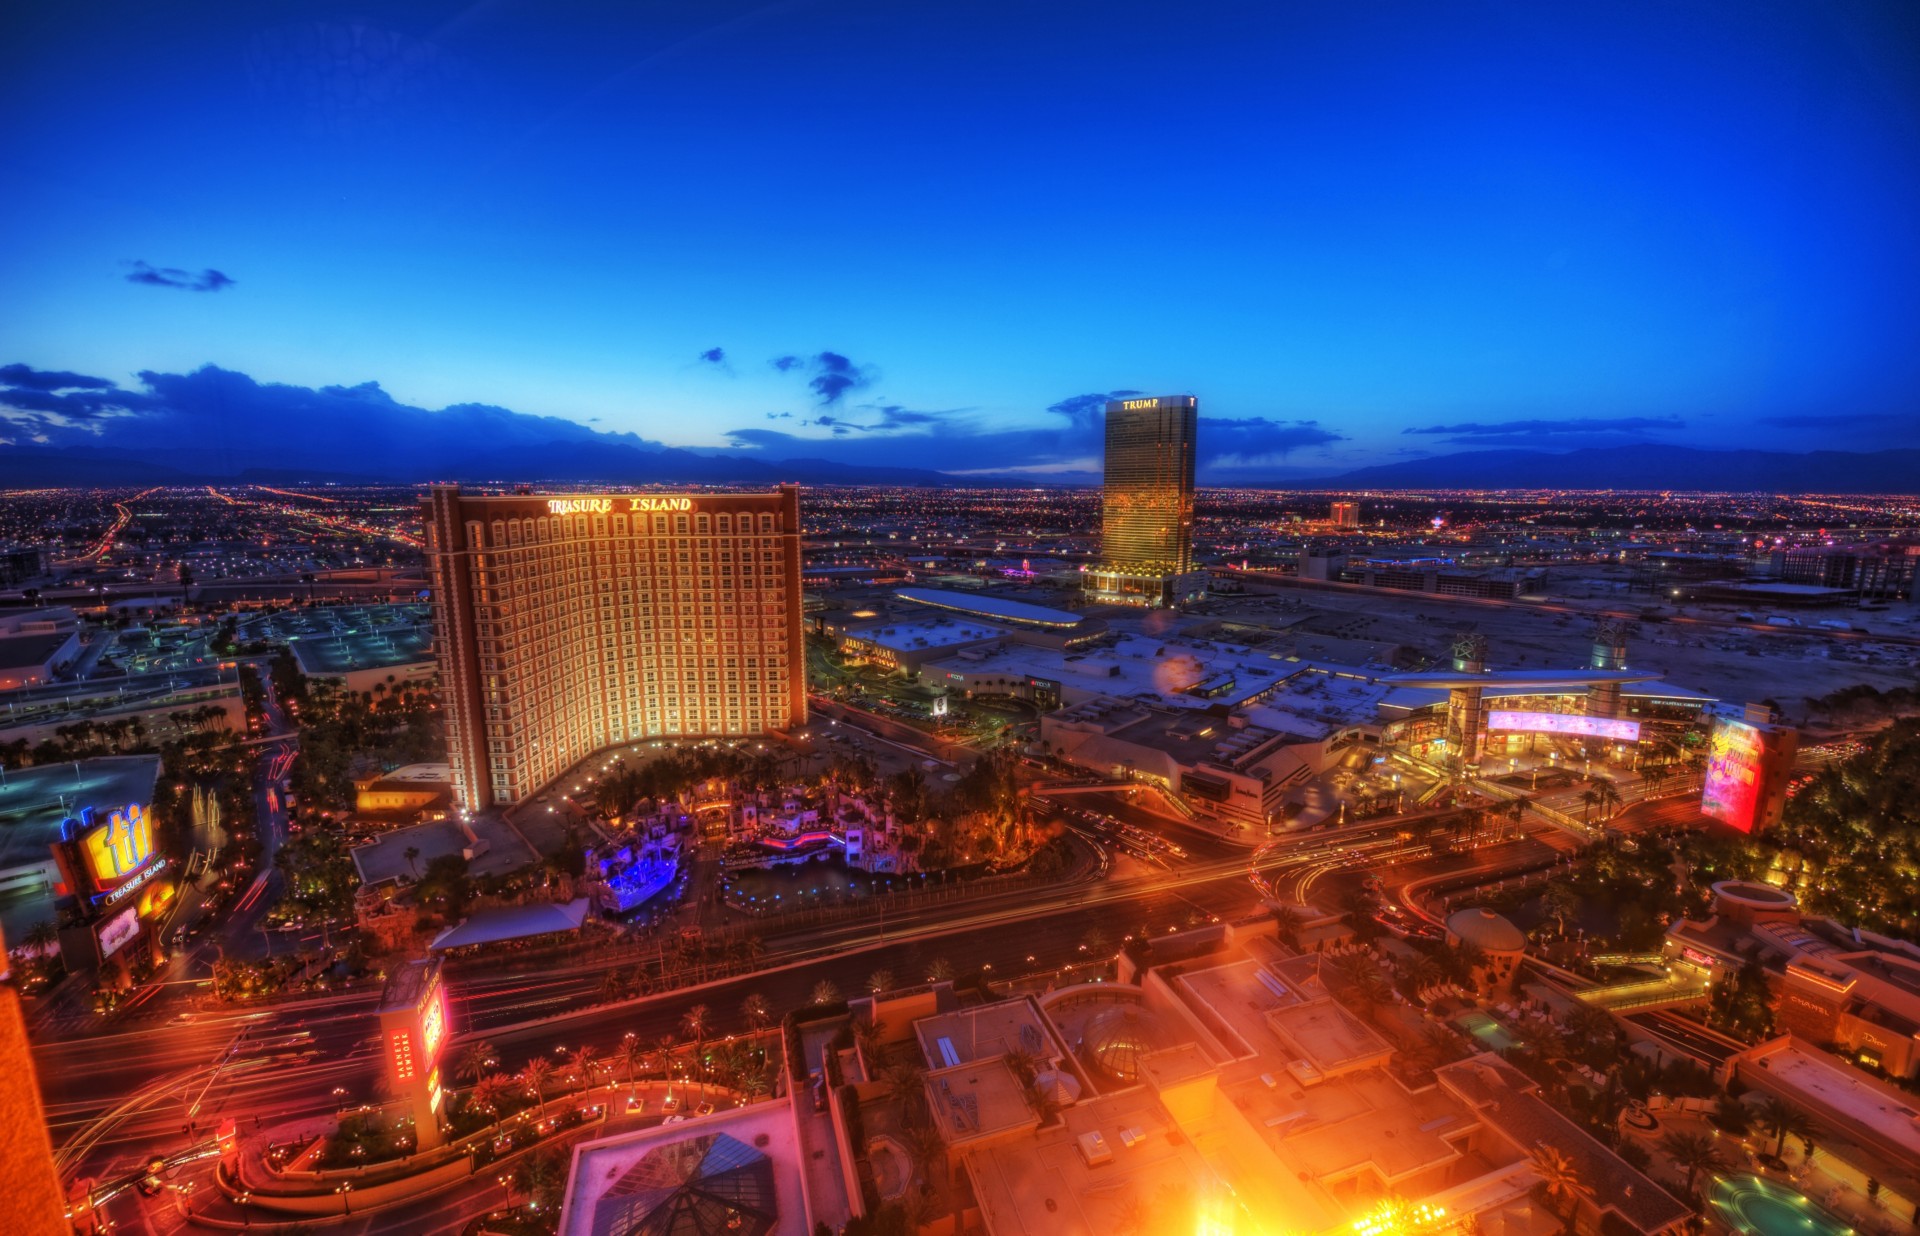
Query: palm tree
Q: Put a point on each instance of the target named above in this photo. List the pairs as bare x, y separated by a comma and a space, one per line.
489, 1090
584, 1062
754, 1009
939, 970
476, 1060
1695, 1153
880, 981
1587, 800
1287, 922
695, 1023
1560, 1179
825, 992
412, 855
1606, 794
1424, 972
630, 1054
533, 1078
925, 1147
42, 937
1783, 1120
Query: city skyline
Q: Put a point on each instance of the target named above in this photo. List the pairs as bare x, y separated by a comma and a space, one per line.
1587, 229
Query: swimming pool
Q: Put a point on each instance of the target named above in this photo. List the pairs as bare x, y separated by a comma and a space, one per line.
1759, 1207
1488, 1033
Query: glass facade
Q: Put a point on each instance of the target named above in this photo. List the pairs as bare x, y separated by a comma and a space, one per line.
1146, 513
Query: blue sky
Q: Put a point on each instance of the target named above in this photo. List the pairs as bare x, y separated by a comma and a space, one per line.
1356, 231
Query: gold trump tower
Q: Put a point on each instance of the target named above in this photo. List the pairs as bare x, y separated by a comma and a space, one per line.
566, 624
1146, 505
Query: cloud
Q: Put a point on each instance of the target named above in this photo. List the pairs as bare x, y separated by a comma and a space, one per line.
50, 379
957, 440
208, 280
61, 399
834, 375
1537, 428
785, 363
227, 420
1250, 441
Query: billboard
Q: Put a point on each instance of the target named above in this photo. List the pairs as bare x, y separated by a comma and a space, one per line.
117, 931
1732, 788
1563, 723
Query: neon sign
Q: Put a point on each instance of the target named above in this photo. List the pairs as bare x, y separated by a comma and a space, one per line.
120, 848
1732, 790
402, 1048
1564, 723
600, 506
579, 506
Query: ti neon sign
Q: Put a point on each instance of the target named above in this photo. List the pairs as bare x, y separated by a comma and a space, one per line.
118, 852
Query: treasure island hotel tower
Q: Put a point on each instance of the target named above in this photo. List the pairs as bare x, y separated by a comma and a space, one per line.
1146, 503
567, 624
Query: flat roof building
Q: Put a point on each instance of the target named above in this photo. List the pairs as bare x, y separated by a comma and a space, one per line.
567, 624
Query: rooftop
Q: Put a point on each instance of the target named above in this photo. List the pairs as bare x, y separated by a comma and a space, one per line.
923, 633
504, 923
987, 605
34, 801
24, 651
742, 1160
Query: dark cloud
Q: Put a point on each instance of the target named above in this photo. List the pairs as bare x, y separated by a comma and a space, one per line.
172, 277
59, 397
834, 375
50, 379
228, 420
952, 440
1536, 428
785, 363
714, 356
1254, 439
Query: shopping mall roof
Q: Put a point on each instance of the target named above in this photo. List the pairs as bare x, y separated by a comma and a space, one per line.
34, 801
513, 923
1549, 680
996, 608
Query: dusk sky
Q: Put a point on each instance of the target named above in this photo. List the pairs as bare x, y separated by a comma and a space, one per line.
902, 232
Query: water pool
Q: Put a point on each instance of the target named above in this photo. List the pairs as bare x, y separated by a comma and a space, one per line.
1756, 1206
1488, 1033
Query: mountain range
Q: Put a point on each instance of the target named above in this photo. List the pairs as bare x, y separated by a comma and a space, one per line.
1643, 467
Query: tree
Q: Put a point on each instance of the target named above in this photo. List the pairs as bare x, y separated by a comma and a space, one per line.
477, 1059
1693, 1153
540, 1176
1287, 922
412, 855
754, 1009
825, 992
695, 1023
939, 970
1588, 799
1560, 1180
489, 1091
1606, 795
1783, 1120
42, 937
533, 1078
630, 1054
880, 981
584, 1062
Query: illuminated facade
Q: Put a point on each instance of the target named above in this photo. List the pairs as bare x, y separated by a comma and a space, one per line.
1748, 765
1346, 515
566, 625
1146, 505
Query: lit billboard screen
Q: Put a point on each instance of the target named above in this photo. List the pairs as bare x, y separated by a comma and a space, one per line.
1735, 755
118, 930
433, 1024
1564, 723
